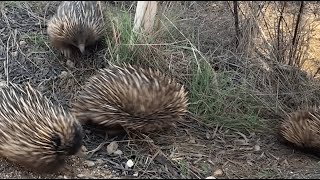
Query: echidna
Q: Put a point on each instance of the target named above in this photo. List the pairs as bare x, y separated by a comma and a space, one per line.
76, 25
35, 133
131, 97
301, 130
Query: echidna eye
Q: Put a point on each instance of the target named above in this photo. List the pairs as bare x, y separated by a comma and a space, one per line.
56, 140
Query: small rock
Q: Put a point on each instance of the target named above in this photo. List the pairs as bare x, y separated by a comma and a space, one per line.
70, 64
84, 149
136, 174
256, 148
2, 83
129, 163
87, 131
112, 147
210, 177
218, 172
118, 152
62, 177
208, 135
90, 163
14, 54
80, 175
22, 43
192, 140
285, 163
42, 87
63, 74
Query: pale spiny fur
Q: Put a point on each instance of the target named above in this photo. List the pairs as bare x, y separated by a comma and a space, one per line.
135, 98
302, 128
29, 125
75, 23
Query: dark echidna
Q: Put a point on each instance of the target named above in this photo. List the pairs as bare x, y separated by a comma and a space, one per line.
132, 98
301, 130
35, 133
76, 25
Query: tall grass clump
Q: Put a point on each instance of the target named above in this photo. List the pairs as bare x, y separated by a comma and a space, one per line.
120, 37
126, 46
218, 98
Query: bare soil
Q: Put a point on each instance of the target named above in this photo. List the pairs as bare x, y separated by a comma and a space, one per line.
192, 150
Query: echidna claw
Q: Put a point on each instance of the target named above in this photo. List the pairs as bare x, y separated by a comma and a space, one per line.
66, 53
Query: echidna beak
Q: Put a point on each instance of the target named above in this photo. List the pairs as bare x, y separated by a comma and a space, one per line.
81, 48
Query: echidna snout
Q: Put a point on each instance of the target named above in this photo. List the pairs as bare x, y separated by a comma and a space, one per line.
69, 149
77, 142
81, 48
76, 26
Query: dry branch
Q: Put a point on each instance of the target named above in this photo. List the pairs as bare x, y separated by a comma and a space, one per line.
236, 22
294, 40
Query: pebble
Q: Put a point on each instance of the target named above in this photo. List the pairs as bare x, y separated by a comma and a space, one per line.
80, 175
22, 43
118, 152
83, 148
208, 135
70, 64
2, 83
192, 140
129, 163
112, 147
63, 74
218, 172
14, 54
256, 148
90, 163
62, 177
210, 177
83, 151
87, 131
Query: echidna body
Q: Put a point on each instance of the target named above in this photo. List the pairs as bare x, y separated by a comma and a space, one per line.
34, 132
76, 25
301, 130
134, 98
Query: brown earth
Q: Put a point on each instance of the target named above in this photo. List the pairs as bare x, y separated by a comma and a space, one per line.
193, 150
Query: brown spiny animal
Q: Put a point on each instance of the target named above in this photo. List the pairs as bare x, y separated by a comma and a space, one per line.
75, 26
301, 130
35, 133
132, 98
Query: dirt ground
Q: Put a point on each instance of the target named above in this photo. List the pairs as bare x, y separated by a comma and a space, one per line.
192, 150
